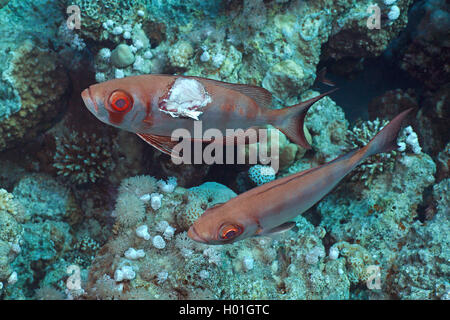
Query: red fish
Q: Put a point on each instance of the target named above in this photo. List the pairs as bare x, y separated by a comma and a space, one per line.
153, 106
269, 209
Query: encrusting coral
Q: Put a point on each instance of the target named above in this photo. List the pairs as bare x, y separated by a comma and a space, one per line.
40, 83
10, 234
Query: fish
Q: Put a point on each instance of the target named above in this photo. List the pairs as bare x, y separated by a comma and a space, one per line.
270, 208
322, 77
153, 106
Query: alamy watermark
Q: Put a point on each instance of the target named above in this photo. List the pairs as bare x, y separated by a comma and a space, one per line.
74, 20
74, 280
373, 282
374, 20
231, 148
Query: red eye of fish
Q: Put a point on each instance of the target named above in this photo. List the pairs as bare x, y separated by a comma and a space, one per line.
230, 231
120, 101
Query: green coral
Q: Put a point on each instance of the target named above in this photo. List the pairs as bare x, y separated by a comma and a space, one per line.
40, 83
201, 198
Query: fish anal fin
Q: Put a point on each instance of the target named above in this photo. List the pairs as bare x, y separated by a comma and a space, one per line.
279, 229
260, 95
162, 143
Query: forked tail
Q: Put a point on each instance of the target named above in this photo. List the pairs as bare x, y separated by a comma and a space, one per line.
290, 120
386, 139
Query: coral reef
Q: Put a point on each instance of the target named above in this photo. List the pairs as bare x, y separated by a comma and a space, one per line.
259, 174
286, 151
328, 126
195, 39
379, 219
10, 236
91, 212
362, 133
392, 103
426, 57
421, 273
199, 199
37, 84
233, 271
352, 38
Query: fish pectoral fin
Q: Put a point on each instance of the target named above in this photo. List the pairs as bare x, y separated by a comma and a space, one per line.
162, 143
279, 229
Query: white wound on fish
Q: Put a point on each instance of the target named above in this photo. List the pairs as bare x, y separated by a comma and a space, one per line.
186, 99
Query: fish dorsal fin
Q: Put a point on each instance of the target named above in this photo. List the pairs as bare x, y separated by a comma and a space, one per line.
279, 229
261, 96
162, 143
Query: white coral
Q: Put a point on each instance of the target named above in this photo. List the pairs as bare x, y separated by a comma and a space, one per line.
158, 242
167, 186
156, 200
142, 232
134, 254
394, 13
124, 273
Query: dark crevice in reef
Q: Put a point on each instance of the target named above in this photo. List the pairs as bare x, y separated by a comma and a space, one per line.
362, 79
426, 210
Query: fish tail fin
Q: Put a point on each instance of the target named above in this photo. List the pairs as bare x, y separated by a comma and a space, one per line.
290, 120
386, 139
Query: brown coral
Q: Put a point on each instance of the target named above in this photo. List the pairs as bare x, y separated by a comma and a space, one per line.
41, 83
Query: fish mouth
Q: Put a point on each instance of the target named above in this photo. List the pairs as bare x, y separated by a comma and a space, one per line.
89, 100
193, 234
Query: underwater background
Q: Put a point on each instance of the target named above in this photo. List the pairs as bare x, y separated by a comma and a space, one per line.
88, 211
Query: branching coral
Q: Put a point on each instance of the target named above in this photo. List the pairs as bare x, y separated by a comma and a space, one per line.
362, 133
83, 159
358, 137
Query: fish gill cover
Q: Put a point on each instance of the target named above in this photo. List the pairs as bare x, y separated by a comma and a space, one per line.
89, 211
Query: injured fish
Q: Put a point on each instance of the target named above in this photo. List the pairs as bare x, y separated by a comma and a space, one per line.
153, 106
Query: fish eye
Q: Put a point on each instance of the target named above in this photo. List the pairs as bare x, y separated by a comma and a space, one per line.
120, 101
230, 231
